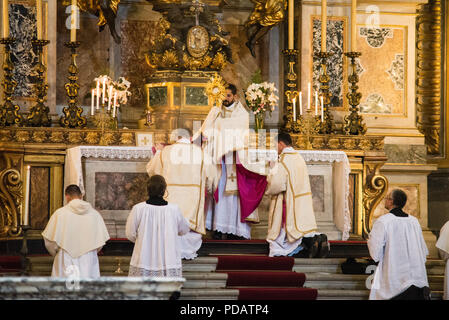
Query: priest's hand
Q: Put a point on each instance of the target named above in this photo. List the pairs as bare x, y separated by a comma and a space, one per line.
159, 146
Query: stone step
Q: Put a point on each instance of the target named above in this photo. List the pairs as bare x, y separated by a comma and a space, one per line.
329, 265
335, 294
209, 294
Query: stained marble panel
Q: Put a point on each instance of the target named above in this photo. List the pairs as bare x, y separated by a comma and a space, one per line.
383, 80
22, 24
412, 206
402, 153
317, 186
336, 63
119, 190
39, 197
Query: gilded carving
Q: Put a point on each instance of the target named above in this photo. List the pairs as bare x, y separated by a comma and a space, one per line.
365, 144
22, 136
334, 143
428, 84
57, 137
127, 138
349, 144
92, 137
39, 136
374, 189
75, 137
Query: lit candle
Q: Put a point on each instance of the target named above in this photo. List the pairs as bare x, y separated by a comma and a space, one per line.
300, 103
110, 97
115, 99
322, 109
291, 23
308, 96
39, 19
73, 20
323, 24
113, 111
104, 89
316, 103
92, 107
294, 109
5, 10
353, 25
27, 197
98, 94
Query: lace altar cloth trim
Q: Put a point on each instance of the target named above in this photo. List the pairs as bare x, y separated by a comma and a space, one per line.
116, 152
141, 272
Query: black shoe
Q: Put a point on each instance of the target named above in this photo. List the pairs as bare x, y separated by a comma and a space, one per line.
217, 235
324, 249
315, 247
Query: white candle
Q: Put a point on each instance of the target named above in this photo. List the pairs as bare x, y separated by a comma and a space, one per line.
73, 20
323, 24
39, 18
353, 25
115, 99
110, 97
300, 102
291, 23
92, 107
104, 88
5, 19
27, 197
316, 103
322, 109
113, 111
308, 96
294, 109
98, 94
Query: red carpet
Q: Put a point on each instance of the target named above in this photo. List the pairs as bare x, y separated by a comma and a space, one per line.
254, 263
10, 262
277, 294
265, 279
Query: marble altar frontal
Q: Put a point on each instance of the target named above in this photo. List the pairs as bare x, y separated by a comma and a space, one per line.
114, 187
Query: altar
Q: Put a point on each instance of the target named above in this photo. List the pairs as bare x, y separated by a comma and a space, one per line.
113, 179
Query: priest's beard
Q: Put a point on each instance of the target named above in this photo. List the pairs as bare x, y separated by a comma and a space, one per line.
227, 103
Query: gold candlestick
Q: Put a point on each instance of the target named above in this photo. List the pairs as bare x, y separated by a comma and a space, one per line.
309, 124
354, 121
327, 126
103, 120
9, 112
38, 116
291, 85
72, 114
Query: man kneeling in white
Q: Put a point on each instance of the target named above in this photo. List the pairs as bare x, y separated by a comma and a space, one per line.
74, 235
188, 174
291, 223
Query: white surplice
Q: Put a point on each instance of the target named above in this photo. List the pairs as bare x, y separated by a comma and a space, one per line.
443, 248
397, 243
155, 230
74, 234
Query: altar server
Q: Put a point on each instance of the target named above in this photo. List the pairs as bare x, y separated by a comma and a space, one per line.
397, 243
74, 235
292, 226
188, 176
154, 227
443, 249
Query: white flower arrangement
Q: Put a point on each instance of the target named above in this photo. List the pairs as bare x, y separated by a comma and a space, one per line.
261, 97
120, 86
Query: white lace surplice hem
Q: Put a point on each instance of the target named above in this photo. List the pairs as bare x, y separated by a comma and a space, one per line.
141, 272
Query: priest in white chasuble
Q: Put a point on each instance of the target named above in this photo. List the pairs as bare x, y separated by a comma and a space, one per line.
240, 188
189, 176
443, 249
74, 234
292, 228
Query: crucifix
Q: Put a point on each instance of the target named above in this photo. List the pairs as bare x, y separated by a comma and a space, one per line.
232, 177
196, 8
